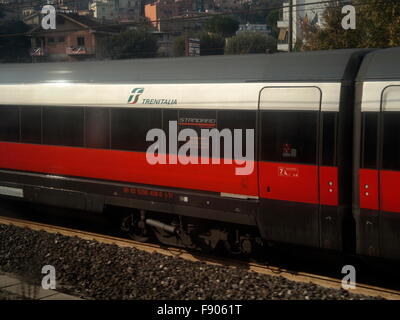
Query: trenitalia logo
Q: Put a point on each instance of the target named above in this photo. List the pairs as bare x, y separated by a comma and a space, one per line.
134, 97
136, 92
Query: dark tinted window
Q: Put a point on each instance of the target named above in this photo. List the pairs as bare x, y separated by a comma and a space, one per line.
9, 123
31, 124
329, 138
391, 141
289, 136
369, 139
63, 126
167, 116
97, 124
129, 128
242, 120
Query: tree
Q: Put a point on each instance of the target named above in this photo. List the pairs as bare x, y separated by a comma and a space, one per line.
378, 26
131, 44
211, 44
258, 11
249, 42
14, 48
271, 21
179, 46
225, 26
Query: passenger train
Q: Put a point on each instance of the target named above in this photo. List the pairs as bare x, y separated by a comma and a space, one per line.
326, 161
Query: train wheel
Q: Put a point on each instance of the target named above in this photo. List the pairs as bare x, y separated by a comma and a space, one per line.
232, 248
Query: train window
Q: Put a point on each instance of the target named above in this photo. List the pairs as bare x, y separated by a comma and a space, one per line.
97, 128
129, 128
329, 138
369, 140
289, 136
235, 119
9, 123
391, 141
167, 116
31, 124
63, 126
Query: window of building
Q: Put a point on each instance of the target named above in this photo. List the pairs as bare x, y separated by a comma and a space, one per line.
97, 128
391, 141
129, 128
81, 41
39, 42
60, 39
289, 136
63, 126
50, 40
31, 124
9, 124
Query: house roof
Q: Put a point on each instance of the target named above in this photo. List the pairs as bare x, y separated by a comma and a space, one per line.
84, 22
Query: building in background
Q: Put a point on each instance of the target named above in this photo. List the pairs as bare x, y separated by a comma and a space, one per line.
116, 10
229, 5
304, 11
176, 16
76, 38
258, 28
160, 11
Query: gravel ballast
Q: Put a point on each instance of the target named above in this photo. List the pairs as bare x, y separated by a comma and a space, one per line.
90, 269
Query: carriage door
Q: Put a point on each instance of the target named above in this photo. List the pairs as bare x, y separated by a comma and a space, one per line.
288, 164
389, 174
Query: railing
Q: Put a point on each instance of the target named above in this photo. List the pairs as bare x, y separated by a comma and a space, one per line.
38, 52
78, 50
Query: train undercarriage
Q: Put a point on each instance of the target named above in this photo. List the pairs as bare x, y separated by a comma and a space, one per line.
191, 233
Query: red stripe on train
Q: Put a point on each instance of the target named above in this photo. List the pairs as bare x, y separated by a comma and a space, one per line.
125, 166
289, 182
329, 186
390, 191
369, 197
387, 197
298, 183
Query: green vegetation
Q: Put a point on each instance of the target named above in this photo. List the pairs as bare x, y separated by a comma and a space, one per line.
14, 48
224, 26
211, 44
179, 46
131, 44
378, 26
249, 42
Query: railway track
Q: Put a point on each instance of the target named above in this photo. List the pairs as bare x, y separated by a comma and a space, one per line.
323, 281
